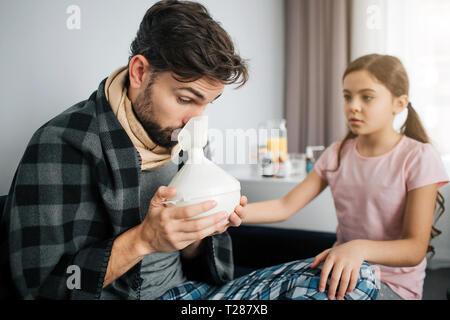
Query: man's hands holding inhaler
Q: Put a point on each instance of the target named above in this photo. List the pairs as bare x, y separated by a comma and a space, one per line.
167, 229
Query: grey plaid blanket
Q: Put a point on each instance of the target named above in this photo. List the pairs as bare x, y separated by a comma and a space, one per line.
75, 190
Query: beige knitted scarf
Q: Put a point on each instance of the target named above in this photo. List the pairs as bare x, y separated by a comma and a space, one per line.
152, 155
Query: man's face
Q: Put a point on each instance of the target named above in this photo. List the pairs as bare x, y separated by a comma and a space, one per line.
167, 104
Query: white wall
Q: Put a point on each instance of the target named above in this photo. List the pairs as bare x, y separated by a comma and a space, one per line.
46, 68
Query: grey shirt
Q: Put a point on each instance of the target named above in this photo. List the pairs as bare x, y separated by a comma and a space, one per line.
161, 271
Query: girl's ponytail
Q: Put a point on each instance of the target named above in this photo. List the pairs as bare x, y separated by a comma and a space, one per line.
413, 127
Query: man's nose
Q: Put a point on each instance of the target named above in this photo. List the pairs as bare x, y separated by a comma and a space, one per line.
193, 113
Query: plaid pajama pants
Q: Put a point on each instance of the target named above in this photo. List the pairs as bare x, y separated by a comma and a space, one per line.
288, 281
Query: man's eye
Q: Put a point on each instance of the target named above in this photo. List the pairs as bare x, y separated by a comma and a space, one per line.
184, 101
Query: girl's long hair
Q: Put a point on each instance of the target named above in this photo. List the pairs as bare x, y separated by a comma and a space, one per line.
391, 73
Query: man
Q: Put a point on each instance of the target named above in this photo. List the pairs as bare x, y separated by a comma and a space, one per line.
88, 194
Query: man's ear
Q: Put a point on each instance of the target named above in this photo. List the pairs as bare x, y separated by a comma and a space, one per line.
400, 103
138, 71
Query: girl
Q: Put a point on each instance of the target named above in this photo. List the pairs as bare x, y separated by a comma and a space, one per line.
384, 185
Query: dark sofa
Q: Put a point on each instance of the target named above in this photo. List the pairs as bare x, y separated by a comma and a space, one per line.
258, 246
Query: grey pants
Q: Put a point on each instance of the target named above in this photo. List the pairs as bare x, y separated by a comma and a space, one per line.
386, 293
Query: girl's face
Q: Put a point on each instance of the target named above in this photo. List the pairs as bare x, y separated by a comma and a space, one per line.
368, 105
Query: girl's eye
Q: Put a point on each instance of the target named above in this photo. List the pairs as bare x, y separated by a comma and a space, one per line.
347, 97
368, 98
184, 101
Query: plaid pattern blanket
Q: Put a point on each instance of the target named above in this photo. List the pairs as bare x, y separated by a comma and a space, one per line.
75, 190
288, 281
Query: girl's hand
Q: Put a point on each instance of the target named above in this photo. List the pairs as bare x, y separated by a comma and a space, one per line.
344, 261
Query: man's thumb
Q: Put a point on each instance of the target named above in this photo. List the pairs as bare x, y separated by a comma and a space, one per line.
162, 194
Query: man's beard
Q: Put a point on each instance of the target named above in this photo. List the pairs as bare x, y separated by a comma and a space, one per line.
143, 110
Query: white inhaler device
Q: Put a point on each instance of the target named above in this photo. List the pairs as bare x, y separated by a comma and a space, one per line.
200, 179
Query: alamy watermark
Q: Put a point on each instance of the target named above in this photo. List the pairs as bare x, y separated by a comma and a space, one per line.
73, 281
236, 146
374, 17
73, 21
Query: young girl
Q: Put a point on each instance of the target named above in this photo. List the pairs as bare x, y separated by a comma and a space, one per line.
384, 185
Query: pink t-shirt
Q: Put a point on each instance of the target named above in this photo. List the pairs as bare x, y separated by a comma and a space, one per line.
370, 197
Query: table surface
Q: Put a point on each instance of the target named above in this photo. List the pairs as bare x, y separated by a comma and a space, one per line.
251, 175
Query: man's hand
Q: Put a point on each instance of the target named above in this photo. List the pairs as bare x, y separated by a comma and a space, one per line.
236, 216
167, 229
235, 220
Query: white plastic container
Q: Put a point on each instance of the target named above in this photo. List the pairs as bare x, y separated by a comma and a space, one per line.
200, 179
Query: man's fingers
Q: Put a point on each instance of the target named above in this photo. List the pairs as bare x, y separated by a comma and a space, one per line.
193, 210
244, 201
235, 220
218, 219
162, 194
239, 210
194, 236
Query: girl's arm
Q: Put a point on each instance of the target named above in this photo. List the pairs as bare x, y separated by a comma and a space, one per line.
344, 261
417, 223
282, 209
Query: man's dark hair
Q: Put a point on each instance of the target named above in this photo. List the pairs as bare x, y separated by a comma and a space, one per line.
181, 37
